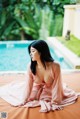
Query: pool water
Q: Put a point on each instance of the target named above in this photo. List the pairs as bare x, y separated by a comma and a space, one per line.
14, 57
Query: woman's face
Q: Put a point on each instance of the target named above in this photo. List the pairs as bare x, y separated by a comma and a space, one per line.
35, 55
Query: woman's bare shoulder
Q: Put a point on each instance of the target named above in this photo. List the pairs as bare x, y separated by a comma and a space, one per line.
55, 64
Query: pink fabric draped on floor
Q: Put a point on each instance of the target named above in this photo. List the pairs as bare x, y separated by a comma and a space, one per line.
48, 96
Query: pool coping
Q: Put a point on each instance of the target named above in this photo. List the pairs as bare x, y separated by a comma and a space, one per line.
15, 42
71, 57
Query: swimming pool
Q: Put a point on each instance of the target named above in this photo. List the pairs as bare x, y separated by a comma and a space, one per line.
14, 56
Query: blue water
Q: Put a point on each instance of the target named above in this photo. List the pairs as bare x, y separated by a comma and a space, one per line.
15, 57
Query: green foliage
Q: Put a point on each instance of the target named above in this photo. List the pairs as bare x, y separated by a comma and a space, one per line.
31, 19
77, 1
59, 25
45, 24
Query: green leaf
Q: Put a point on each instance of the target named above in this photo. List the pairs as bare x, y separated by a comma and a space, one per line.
8, 29
24, 26
3, 18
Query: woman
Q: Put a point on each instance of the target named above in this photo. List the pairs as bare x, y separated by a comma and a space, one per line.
44, 85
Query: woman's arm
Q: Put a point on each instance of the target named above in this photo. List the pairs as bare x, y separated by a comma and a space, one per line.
57, 90
29, 84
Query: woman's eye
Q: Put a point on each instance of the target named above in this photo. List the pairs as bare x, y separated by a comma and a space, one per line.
32, 51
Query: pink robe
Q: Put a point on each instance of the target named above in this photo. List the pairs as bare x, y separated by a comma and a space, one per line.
49, 97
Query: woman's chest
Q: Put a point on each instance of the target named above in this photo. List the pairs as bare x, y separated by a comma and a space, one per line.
44, 76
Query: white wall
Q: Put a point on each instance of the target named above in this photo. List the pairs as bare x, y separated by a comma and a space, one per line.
72, 20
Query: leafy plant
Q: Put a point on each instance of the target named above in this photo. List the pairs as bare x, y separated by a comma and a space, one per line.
31, 19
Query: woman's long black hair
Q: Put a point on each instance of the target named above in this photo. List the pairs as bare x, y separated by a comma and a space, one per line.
44, 51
